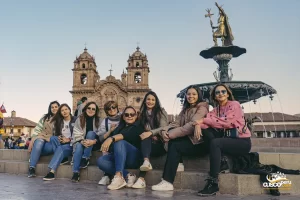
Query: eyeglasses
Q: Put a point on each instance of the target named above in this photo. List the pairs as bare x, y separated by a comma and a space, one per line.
129, 114
218, 92
111, 108
93, 109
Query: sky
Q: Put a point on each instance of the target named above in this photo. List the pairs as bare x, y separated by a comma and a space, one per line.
39, 41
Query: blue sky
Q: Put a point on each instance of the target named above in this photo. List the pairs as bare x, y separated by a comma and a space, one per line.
40, 40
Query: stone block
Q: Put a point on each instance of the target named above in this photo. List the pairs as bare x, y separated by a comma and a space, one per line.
266, 149
153, 177
294, 143
1, 154
64, 171
11, 167
193, 181
287, 150
228, 184
2, 166
289, 161
285, 143
45, 159
41, 169
269, 158
8, 154
17, 155
23, 167
94, 173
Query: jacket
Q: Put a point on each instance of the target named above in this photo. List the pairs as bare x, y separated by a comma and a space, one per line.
80, 133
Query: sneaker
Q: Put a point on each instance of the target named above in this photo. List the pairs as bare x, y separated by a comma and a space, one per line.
75, 177
131, 178
117, 183
105, 180
49, 177
139, 184
211, 187
84, 163
64, 161
146, 166
163, 186
31, 172
180, 167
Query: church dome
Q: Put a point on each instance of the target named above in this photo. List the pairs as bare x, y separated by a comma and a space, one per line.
85, 56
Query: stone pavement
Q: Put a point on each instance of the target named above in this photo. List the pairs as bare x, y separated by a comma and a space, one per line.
19, 187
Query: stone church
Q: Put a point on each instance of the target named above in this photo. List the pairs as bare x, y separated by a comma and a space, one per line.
129, 90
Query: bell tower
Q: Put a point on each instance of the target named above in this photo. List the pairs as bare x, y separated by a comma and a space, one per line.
137, 71
85, 76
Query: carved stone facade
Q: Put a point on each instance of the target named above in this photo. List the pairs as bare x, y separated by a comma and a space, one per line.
130, 90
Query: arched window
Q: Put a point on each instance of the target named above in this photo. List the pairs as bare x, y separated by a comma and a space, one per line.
83, 66
83, 79
137, 64
137, 77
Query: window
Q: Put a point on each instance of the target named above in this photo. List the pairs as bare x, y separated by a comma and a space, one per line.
19, 130
137, 77
268, 134
83, 66
83, 79
137, 64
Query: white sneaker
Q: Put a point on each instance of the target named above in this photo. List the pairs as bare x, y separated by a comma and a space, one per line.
117, 183
146, 166
180, 167
104, 180
131, 178
163, 186
139, 184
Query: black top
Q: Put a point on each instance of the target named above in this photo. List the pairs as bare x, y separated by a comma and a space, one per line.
89, 124
131, 133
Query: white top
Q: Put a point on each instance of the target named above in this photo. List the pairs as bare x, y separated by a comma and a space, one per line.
66, 132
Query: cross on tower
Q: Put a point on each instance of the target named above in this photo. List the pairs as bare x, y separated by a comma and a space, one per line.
85, 46
138, 48
110, 70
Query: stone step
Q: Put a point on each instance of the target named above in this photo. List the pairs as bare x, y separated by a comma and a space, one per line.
235, 184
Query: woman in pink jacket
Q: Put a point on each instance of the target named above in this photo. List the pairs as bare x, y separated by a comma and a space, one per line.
225, 129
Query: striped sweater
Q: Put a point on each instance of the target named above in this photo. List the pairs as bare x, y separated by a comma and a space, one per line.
38, 129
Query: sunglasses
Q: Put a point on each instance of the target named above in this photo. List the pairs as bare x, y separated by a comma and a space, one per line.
129, 114
93, 109
111, 108
218, 92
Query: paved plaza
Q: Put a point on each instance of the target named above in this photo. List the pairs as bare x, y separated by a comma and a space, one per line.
19, 187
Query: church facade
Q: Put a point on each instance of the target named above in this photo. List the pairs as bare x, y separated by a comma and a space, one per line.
129, 90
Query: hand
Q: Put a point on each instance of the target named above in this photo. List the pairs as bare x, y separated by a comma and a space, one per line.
165, 136
87, 143
113, 127
105, 145
198, 122
197, 132
63, 139
31, 144
145, 135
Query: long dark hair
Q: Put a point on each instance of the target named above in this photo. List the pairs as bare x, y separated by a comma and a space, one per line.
156, 111
58, 119
50, 114
186, 104
84, 115
213, 95
122, 123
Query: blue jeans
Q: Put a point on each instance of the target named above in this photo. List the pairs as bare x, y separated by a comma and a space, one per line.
61, 151
40, 148
82, 152
124, 156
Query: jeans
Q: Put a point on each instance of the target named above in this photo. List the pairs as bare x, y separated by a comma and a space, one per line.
219, 145
124, 156
61, 151
40, 147
82, 152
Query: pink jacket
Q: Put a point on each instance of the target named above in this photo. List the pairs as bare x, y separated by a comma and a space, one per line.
231, 117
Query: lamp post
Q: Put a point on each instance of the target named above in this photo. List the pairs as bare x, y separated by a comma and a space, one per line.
11, 127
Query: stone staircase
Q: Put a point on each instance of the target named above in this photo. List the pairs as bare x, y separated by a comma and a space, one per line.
16, 162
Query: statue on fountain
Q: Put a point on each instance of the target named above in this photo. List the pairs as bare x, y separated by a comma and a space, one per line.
223, 29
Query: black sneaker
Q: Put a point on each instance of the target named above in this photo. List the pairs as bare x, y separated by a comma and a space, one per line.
49, 177
31, 172
224, 165
75, 177
211, 187
64, 161
84, 163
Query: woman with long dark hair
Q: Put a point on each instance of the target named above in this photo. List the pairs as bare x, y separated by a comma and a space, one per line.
225, 130
125, 152
183, 138
85, 138
52, 109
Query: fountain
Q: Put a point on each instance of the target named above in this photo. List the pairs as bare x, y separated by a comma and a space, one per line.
243, 91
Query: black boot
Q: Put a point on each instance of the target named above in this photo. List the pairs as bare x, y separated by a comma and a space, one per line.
211, 187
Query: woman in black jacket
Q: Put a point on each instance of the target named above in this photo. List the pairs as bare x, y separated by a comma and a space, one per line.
126, 151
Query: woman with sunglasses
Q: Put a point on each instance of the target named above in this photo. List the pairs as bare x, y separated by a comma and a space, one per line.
226, 131
63, 124
107, 126
84, 138
43, 144
153, 118
126, 151
183, 139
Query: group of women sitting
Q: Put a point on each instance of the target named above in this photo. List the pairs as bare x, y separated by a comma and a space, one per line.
129, 139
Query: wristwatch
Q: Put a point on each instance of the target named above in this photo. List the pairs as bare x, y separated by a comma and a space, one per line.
113, 139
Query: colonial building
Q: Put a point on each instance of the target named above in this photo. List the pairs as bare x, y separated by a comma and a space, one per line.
129, 90
14, 126
274, 125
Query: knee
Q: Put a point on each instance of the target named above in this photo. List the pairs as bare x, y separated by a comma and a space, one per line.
100, 162
38, 142
78, 147
91, 135
215, 143
53, 138
120, 145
